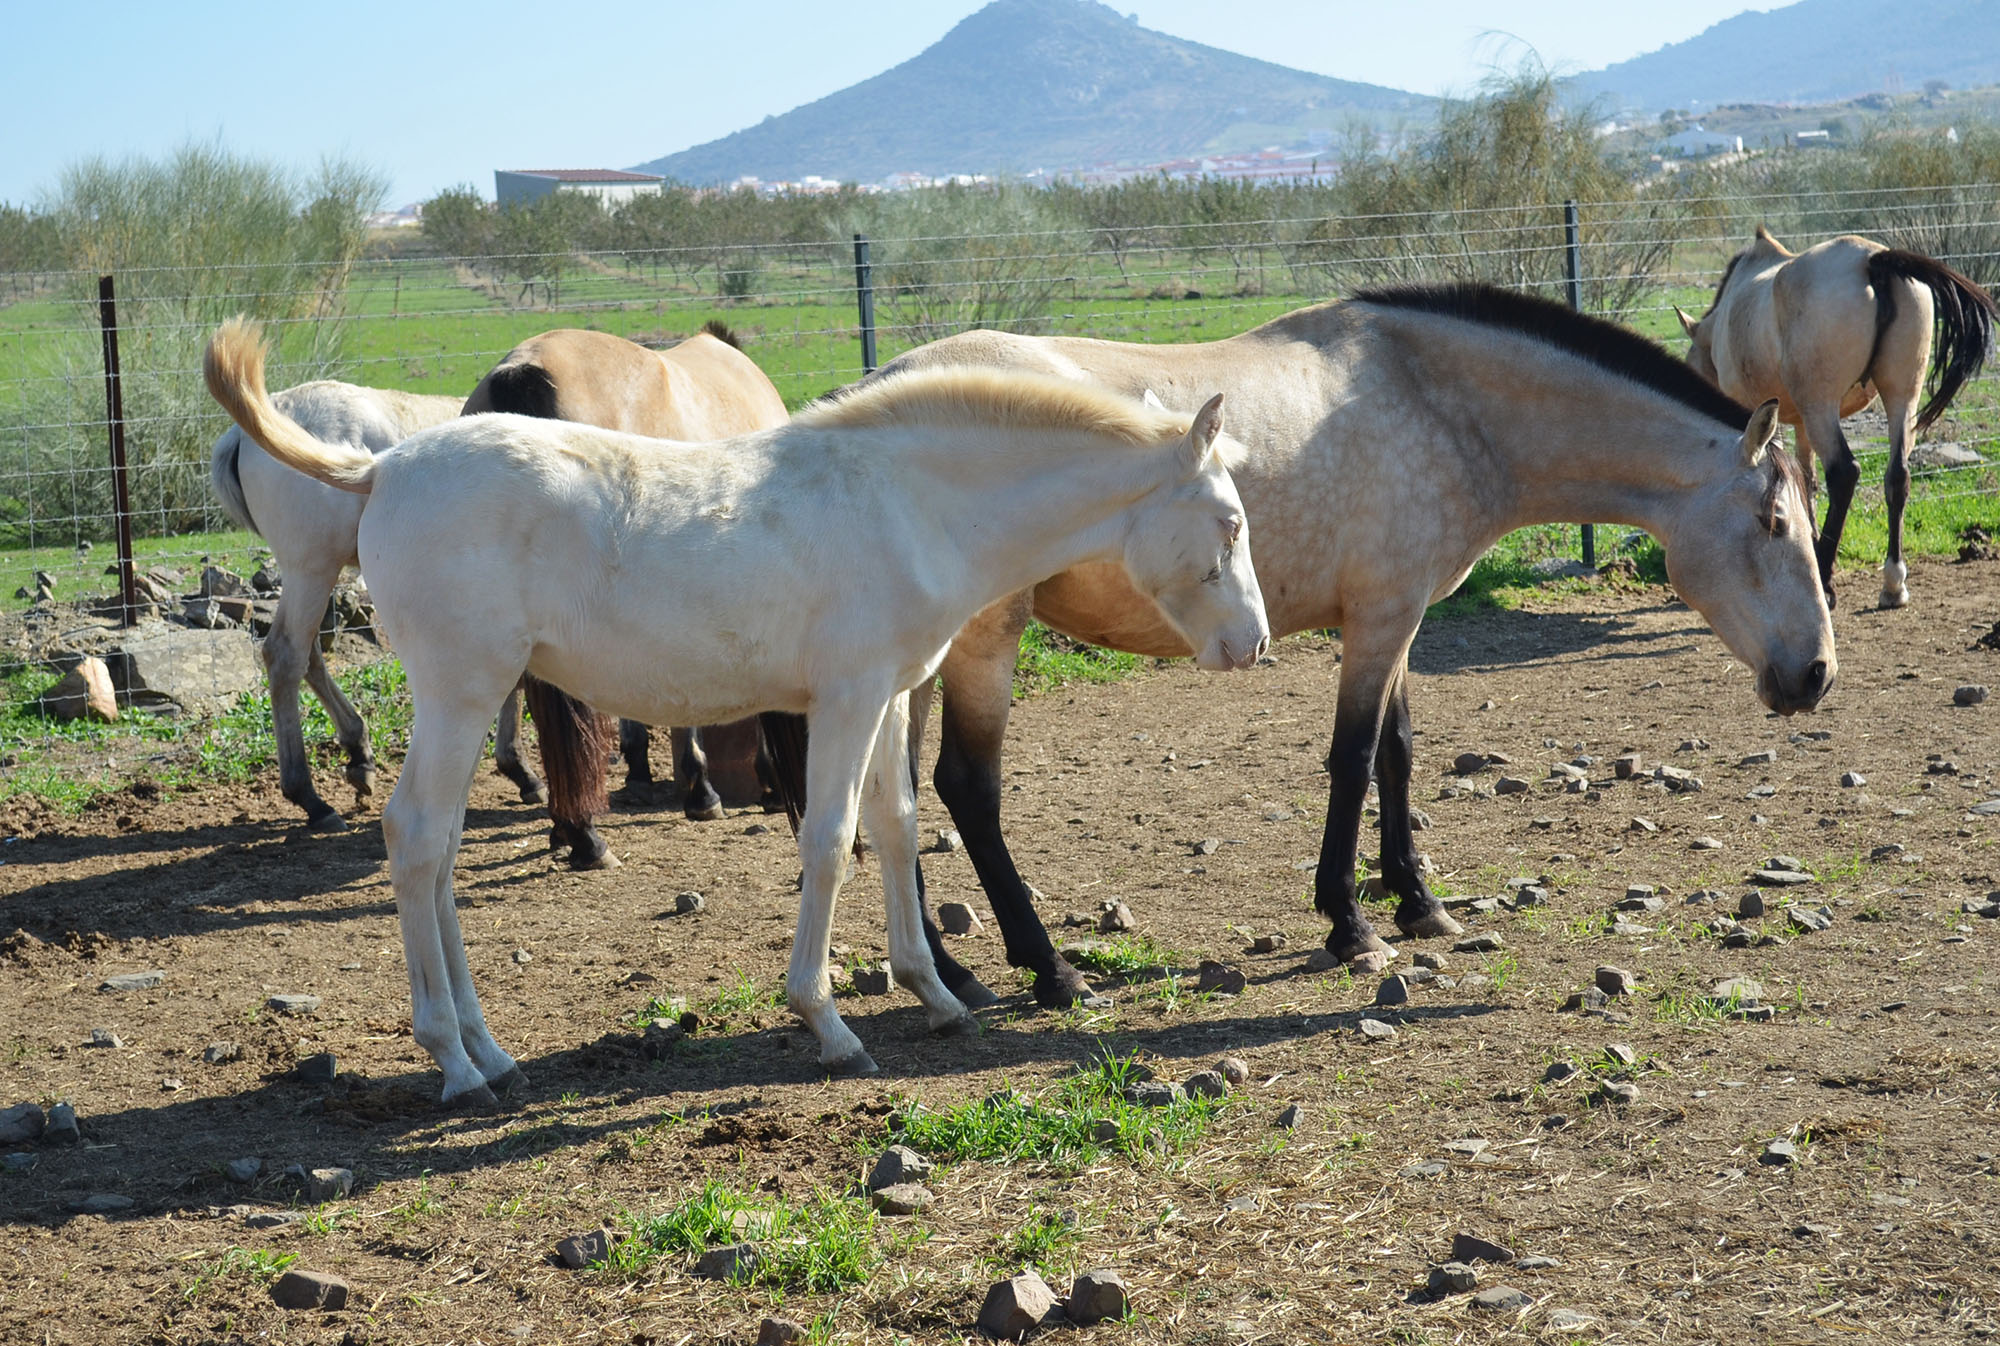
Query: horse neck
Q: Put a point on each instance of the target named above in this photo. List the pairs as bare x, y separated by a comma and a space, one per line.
1024, 505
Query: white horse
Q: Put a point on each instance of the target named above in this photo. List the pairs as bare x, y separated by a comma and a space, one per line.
818, 568
311, 531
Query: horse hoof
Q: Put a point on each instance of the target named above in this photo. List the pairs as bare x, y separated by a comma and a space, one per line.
479, 1098
959, 1026
1895, 598
362, 777
704, 813
602, 860
513, 1082
1063, 987
534, 794
974, 995
848, 1067
329, 821
1428, 924
1373, 962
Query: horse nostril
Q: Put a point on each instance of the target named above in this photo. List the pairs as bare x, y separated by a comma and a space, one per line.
1815, 677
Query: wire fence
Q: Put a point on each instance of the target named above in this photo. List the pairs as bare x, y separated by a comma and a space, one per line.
431, 324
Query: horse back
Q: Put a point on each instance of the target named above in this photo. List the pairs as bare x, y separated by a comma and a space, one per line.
701, 389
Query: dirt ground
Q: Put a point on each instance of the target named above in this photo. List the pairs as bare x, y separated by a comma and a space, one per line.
1882, 1063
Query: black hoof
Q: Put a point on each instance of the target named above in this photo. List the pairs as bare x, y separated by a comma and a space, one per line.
361, 775
581, 858
476, 1099
533, 793
328, 821
849, 1067
1426, 922
963, 1026
513, 1082
704, 813
1063, 986
972, 994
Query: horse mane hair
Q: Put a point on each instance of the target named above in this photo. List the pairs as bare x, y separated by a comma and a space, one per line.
1612, 348
1011, 400
722, 332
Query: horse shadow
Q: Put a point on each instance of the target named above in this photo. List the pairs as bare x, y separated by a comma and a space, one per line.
1483, 641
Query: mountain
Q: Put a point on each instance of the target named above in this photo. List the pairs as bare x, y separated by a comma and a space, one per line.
1810, 52
1026, 84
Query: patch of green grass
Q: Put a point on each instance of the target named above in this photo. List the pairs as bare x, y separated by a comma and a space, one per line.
258, 1264
821, 1245
1078, 1120
1049, 659
1125, 956
1047, 1240
1172, 993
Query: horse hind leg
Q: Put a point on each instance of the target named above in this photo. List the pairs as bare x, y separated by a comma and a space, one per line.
574, 740
350, 731
1418, 912
507, 751
1900, 407
699, 801
971, 992
635, 743
291, 651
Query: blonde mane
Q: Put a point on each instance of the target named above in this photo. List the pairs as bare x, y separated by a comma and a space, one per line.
1013, 401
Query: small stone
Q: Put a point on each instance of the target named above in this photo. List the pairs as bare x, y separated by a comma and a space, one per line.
1287, 1118
781, 1332
1376, 1030
104, 1037
99, 1203
1453, 1278
1623, 1054
221, 1053
1807, 919
310, 1290
1630, 928
871, 981
1488, 943
319, 1068
1642, 825
243, 1170
1469, 763
23, 1123
62, 1128
1115, 917
20, 1161
1646, 903
1568, 771
1392, 991
1969, 694
1234, 1069
1738, 991
948, 840
1764, 758
1626, 767
1756, 1014
1219, 979
324, 1184
730, 1262
1206, 846
957, 918
1704, 844
1510, 785
1618, 1091
1154, 1094
133, 981
1560, 1072
1852, 779
688, 904
1206, 1084
1434, 961
1780, 878
1270, 943
1569, 1320
1613, 981
1097, 1296
902, 1198
1016, 1306
1104, 1131
1469, 1147
1469, 1248
293, 1004
1428, 1168
898, 1164
1779, 1154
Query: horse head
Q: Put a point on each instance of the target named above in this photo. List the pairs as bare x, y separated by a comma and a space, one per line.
1740, 552
1700, 358
1188, 549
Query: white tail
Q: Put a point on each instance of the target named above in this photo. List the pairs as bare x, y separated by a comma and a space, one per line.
234, 368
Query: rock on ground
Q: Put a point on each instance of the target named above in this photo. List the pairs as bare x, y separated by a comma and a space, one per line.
898, 1164
903, 1198
310, 1290
1096, 1296
1016, 1306
580, 1250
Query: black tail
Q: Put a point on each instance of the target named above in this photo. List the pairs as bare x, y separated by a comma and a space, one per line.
1965, 315
575, 741
524, 389
785, 740
719, 329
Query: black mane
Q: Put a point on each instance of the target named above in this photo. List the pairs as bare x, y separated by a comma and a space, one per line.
1605, 344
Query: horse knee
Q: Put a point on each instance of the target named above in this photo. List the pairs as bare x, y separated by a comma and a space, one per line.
1842, 475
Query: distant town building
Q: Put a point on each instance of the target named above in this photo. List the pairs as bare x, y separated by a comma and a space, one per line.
609, 185
1696, 143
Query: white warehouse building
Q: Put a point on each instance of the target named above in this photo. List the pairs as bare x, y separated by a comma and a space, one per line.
609, 185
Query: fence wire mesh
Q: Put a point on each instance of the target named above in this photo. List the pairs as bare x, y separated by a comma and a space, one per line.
430, 324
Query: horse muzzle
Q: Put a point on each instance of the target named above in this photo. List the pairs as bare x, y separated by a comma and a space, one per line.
1801, 690
1225, 656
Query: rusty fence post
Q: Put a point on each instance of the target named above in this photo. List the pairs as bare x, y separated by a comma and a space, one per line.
121, 486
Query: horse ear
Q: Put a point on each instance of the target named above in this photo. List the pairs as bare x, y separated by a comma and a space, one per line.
1203, 433
1688, 325
1152, 399
1763, 426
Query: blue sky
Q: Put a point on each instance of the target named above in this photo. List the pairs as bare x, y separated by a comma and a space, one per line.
436, 93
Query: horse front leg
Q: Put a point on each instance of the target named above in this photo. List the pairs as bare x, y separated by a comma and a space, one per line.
635, 745
699, 801
507, 751
843, 730
289, 652
1822, 427
978, 693
1418, 913
1370, 661
971, 992
890, 807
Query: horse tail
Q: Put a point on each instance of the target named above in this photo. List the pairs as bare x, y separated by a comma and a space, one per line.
720, 330
575, 741
226, 479
1965, 316
785, 740
234, 368
522, 387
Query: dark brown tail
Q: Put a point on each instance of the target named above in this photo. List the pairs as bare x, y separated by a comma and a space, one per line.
785, 740
525, 389
719, 329
575, 742
1965, 315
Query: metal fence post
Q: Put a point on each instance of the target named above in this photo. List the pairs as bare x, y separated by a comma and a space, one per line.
864, 290
121, 489
1573, 284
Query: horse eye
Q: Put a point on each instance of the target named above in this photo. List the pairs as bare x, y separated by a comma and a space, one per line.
1213, 576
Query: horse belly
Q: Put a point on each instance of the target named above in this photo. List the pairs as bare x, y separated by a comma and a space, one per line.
701, 677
